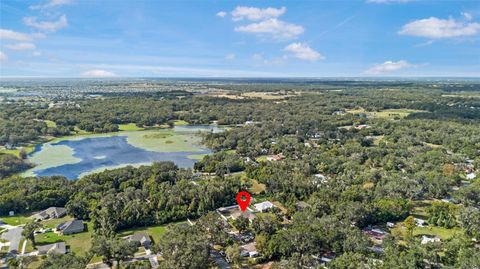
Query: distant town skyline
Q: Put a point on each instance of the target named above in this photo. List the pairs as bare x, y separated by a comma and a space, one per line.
364, 38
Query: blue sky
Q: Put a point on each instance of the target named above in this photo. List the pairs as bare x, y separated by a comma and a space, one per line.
87, 38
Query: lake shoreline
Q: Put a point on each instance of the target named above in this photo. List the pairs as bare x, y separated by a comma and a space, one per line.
180, 144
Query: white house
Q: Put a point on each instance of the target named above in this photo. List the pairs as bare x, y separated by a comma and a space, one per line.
426, 239
420, 222
264, 206
471, 176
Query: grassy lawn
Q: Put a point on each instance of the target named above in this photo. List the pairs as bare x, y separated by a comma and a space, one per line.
16, 152
355, 111
96, 259
52, 223
129, 127
377, 139
17, 219
50, 124
433, 146
230, 151
393, 113
266, 95
79, 243
180, 123
387, 113
154, 231
78, 131
28, 247
262, 158
280, 206
441, 232
257, 187
420, 209
36, 262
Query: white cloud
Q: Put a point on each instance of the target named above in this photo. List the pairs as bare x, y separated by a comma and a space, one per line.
39, 35
21, 46
276, 28
388, 67
49, 26
467, 16
36, 53
440, 28
98, 73
230, 56
256, 14
387, 1
303, 52
3, 57
221, 14
9, 34
51, 3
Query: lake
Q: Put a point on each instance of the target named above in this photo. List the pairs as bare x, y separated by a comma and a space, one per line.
76, 156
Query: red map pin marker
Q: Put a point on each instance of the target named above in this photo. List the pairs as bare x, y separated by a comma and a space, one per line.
243, 199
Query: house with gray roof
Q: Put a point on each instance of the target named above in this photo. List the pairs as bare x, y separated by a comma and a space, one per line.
50, 213
141, 238
264, 206
56, 248
70, 227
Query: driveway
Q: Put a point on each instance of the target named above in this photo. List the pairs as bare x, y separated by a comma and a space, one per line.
219, 260
13, 235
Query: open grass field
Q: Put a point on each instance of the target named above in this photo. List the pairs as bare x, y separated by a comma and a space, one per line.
385, 114
224, 95
180, 123
257, 187
18, 219
462, 95
394, 113
356, 110
154, 231
129, 127
262, 158
50, 124
441, 232
16, 152
266, 95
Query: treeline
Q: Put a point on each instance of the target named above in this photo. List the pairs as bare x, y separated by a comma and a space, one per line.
20, 194
156, 194
11, 164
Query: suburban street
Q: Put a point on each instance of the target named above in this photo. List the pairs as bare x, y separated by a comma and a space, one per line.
13, 235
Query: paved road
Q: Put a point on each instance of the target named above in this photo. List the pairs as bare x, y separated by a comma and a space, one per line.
219, 260
13, 236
